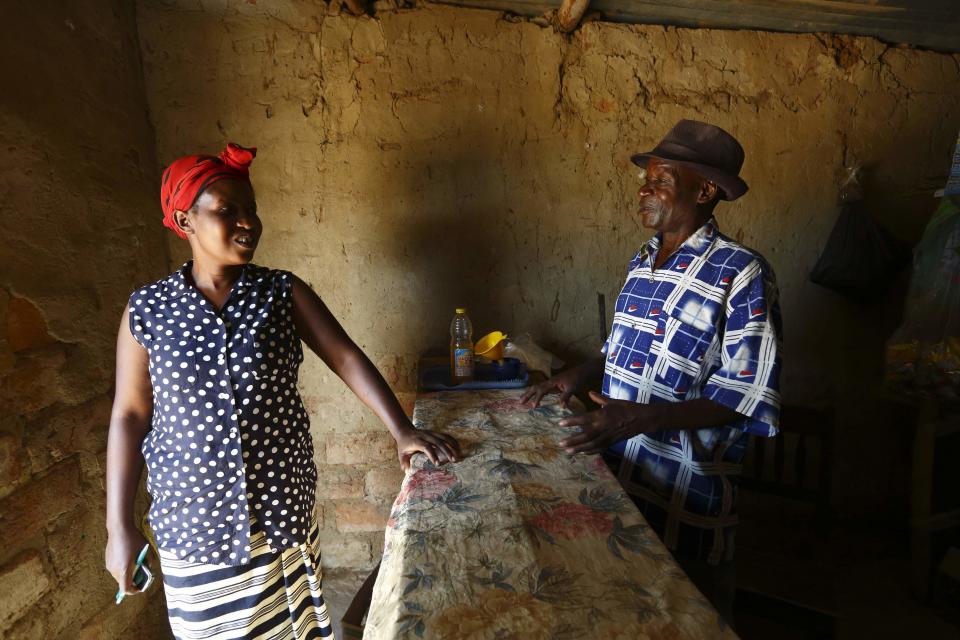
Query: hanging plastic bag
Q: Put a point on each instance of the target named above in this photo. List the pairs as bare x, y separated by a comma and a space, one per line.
932, 312
923, 356
861, 257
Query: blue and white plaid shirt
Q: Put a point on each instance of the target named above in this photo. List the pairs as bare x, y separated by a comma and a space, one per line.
706, 324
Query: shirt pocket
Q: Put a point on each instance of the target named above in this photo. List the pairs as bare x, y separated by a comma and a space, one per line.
691, 334
262, 354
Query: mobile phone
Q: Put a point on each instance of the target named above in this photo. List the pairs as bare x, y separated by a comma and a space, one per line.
142, 576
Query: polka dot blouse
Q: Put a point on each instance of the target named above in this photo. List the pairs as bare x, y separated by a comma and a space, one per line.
230, 438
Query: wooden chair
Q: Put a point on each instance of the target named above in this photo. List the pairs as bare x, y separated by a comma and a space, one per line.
934, 508
778, 589
767, 468
355, 618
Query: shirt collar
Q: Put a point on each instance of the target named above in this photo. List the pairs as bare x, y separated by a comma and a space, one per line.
695, 245
178, 281
181, 286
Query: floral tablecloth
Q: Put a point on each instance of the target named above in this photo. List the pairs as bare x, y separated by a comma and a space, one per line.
521, 541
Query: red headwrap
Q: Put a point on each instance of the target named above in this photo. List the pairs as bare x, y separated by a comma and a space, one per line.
185, 179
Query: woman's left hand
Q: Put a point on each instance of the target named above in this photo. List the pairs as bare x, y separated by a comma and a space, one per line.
439, 447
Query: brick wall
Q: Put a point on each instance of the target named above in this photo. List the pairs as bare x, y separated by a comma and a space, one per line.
78, 222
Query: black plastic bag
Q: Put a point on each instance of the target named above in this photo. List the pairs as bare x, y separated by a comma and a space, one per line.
861, 257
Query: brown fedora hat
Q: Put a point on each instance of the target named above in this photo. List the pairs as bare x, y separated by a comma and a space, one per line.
707, 149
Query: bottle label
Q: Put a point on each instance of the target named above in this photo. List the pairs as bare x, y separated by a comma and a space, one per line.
462, 363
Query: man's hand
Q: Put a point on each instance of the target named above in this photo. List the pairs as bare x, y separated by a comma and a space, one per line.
567, 383
439, 447
614, 421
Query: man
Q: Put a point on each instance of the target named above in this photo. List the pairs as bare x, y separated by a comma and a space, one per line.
692, 363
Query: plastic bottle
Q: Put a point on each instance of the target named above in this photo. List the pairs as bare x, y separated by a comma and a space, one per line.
461, 348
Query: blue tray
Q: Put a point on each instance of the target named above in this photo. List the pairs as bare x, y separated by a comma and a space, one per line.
511, 373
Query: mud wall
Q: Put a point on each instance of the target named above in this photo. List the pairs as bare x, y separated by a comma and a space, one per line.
77, 184
428, 158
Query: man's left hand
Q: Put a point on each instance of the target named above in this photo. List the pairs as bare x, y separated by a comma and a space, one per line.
614, 421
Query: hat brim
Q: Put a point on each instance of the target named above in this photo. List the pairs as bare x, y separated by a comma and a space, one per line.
731, 186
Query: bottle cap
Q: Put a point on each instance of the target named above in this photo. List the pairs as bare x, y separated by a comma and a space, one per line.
461, 310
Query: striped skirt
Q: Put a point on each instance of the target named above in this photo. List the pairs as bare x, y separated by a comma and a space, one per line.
277, 596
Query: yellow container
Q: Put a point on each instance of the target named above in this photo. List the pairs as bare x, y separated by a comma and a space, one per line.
490, 346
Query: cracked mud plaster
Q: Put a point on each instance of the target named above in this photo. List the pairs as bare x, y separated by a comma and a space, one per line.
463, 157
78, 217
368, 114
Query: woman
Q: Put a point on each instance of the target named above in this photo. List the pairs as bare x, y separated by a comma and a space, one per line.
207, 363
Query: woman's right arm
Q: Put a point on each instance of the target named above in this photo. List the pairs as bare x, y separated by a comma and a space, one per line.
129, 423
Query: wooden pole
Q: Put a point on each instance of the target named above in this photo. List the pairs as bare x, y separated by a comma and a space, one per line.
570, 13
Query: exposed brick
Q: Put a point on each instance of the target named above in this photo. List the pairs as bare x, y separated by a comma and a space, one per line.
29, 626
7, 361
376, 546
26, 327
142, 617
77, 540
334, 409
149, 623
22, 582
319, 449
6, 355
344, 551
384, 481
360, 515
339, 481
26, 511
34, 381
359, 448
11, 468
60, 431
319, 514
92, 629
91, 588
317, 403
4, 303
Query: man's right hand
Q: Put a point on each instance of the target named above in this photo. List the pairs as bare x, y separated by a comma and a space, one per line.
123, 546
566, 383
